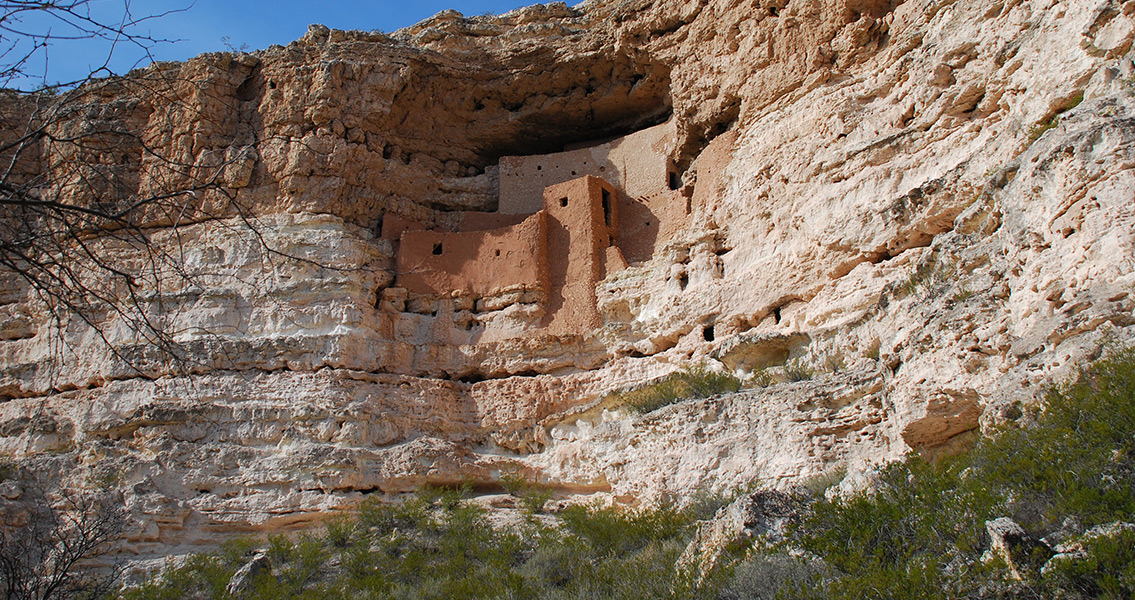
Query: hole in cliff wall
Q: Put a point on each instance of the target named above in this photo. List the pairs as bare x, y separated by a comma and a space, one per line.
776, 314
563, 201
251, 87
606, 207
437, 249
683, 281
707, 333
474, 377
675, 181
702, 133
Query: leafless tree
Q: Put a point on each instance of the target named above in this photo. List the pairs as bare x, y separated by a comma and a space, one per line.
85, 184
29, 29
47, 549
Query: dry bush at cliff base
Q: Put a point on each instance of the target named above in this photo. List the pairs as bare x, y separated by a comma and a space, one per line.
436, 544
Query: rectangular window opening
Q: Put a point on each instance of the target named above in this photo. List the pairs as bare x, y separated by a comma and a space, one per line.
606, 207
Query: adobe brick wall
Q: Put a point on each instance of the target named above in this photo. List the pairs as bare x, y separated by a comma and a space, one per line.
476, 263
563, 251
484, 221
638, 164
580, 232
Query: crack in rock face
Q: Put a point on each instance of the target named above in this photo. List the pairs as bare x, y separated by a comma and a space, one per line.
451, 253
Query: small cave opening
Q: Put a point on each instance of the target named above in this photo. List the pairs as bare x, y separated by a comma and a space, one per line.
683, 280
437, 249
563, 201
252, 86
474, 377
675, 180
707, 333
776, 314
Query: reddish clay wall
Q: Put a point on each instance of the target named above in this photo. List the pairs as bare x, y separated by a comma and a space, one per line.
639, 164
580, 232
479, 263
484, 221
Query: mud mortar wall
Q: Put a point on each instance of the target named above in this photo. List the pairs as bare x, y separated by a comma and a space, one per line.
639, 164
480, 263
579, 233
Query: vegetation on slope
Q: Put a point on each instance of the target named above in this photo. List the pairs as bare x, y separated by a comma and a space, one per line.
922, 532
437, 545
1067, 472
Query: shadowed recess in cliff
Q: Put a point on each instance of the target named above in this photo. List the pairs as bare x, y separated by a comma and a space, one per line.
538, 105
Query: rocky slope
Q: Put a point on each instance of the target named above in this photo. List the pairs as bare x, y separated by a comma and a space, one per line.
919, 210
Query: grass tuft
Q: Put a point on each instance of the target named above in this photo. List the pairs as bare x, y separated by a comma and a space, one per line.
690, 384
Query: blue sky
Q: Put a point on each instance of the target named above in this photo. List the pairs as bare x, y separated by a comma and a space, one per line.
211, 25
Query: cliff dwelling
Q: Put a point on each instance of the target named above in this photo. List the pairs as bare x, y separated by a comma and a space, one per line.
565, 222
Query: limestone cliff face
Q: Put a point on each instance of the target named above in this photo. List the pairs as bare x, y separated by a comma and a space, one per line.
926, 204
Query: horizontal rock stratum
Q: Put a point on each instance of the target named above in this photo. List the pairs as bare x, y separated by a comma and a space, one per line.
428, 257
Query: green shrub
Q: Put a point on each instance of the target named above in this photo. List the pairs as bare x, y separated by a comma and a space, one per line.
200, 577
760, 378
690, 384
768, 577
532, 495
1106, 571
1052, 121
921, 534
798, 370
928, 279
437, 545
